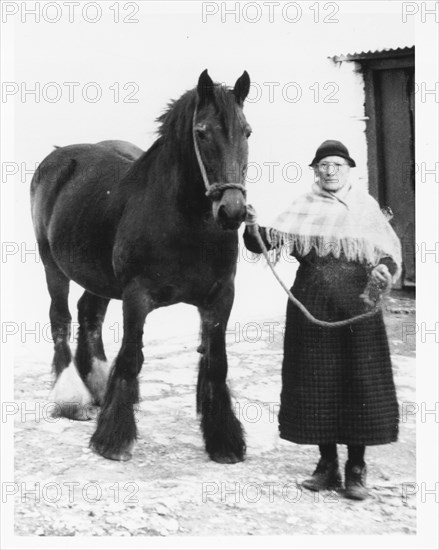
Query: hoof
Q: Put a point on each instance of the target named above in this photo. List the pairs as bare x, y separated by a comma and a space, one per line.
122, 455
227, 458
116, 430
73, 411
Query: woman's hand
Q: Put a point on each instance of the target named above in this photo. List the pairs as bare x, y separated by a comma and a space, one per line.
380, 282
251, 216
380, 276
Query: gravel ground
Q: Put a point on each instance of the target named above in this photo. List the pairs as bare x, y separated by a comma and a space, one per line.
170, 487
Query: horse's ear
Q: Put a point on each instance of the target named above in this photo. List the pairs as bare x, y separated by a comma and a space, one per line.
242, 87
205, 87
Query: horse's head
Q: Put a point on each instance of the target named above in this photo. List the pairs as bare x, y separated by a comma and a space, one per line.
220, 133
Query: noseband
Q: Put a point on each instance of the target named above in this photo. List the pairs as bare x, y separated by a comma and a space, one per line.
214, 190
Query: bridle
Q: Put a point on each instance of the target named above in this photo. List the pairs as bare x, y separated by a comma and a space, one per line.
214, 190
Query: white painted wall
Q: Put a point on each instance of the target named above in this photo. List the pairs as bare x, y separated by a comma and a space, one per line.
163, 54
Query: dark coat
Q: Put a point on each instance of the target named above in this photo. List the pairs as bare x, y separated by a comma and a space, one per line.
337, 383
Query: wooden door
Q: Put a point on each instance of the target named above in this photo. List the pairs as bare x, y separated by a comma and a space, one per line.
390, 133
396, 187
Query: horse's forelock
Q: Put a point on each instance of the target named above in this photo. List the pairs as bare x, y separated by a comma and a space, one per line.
226, 105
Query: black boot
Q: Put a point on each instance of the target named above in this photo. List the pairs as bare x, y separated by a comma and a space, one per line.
355, 481
326, 476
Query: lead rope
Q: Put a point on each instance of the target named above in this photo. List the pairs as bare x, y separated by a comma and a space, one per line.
302, 308
215, 188
219, 187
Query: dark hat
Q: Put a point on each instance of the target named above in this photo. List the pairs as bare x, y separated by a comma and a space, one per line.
330, 148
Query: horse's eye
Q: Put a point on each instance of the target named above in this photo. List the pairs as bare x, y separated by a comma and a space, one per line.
201, 130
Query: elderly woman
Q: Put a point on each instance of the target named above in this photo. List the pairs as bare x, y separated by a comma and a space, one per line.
337, 383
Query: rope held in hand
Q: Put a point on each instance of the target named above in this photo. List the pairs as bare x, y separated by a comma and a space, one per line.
296, 302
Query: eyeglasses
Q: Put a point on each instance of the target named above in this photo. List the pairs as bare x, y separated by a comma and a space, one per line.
326, 165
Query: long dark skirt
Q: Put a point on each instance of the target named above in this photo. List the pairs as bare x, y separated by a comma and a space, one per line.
337, 383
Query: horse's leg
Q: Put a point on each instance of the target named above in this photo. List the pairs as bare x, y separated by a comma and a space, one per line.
116, 429
222, 431
90, 355
72, 398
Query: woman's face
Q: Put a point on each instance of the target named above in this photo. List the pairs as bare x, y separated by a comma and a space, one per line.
332, 173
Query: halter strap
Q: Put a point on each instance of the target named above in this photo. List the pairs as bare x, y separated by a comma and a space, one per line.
212, 191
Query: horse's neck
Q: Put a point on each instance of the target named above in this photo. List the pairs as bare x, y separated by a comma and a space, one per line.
163, 178
182, 179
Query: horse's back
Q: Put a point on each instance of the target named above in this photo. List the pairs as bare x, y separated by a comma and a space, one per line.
81, 171
83, 155
122, 148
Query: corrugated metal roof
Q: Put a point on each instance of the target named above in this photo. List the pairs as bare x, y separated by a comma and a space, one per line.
377, 54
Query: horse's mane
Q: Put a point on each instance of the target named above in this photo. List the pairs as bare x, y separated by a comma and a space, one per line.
175, 124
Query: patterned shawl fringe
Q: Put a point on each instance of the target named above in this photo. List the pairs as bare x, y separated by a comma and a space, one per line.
354, 249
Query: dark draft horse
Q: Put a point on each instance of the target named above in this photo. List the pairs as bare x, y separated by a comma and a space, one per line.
140, 227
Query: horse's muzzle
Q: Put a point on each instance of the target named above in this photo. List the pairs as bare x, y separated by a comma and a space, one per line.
230, 211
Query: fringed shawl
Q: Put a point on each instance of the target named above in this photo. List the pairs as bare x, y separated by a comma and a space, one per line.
348, 223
